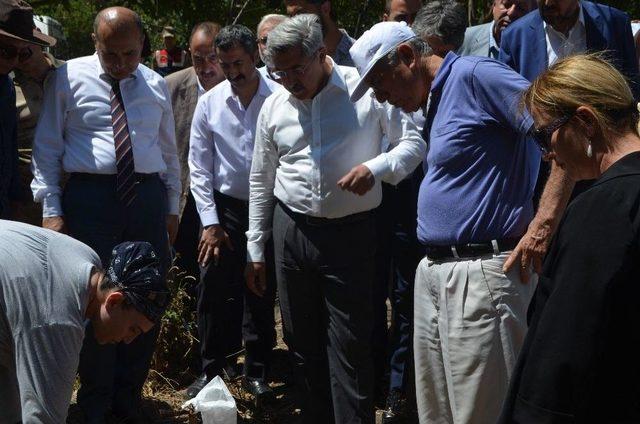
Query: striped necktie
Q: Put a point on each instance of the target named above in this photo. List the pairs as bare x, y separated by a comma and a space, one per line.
125, 177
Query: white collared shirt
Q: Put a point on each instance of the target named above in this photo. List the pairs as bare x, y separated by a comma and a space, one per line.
560, 46
201, 89
75, 132
303, 148
494, 48
221, 145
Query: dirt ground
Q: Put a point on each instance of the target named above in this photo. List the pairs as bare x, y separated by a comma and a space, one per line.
164, 397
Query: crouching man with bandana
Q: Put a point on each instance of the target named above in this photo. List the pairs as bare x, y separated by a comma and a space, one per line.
49, 285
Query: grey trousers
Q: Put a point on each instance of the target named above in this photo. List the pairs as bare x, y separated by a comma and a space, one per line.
469, 325
10, 409
325, 278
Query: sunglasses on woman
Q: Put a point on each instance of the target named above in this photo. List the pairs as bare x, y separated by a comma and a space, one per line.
542, 136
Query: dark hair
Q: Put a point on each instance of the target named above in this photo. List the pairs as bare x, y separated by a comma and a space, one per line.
210, 29
236, 35
107, 284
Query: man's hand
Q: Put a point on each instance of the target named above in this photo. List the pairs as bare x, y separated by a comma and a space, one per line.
256, 276
359, 180
172, 228
530, 250
55, 223
212, 239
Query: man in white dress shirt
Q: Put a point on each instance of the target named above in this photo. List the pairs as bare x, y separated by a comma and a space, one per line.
107, 121
220, 154
317, 166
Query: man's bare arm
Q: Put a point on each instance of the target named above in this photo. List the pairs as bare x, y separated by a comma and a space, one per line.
534, 244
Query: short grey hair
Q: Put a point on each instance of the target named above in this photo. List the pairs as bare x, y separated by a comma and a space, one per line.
303, 31
274, 18
446, 19
419, 46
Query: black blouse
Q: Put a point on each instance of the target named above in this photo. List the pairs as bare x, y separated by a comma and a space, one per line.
581, 358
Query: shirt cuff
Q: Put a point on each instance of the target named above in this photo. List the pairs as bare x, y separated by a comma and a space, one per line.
209, 217
255, 251
51, 206
173, 206
378, 166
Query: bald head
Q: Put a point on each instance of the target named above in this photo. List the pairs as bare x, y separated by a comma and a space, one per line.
117, 45
117, 19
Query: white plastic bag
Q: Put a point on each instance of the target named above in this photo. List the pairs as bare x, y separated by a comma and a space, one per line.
215, 403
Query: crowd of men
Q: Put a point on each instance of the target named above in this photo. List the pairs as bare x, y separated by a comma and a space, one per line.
337, 173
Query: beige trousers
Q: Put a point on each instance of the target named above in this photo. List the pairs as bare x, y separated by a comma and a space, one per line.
469, 325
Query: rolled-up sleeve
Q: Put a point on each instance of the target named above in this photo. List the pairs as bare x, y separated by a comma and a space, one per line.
48, 147
261, 185
167, 139
407, 146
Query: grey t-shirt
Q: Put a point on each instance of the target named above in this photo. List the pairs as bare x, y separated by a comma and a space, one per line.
44, 292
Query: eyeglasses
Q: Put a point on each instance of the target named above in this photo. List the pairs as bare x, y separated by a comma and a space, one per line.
211, 58
10, 53
542, 136
297, 72
262, 40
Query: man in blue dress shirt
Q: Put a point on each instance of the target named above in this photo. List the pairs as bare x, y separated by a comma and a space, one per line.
475, 203
107, 121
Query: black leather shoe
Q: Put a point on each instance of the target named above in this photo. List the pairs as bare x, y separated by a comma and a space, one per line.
393, 412
195, 387
260, 391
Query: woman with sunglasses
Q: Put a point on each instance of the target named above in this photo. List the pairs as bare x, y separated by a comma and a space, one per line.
580, 361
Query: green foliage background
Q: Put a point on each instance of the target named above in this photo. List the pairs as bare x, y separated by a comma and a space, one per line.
76, 16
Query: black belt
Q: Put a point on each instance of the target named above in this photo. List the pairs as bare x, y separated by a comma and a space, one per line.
471, 250
85, 176
321, 222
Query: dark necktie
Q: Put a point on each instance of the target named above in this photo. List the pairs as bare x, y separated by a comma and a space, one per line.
125, 177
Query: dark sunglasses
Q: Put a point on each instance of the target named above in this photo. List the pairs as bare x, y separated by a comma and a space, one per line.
542, 136
10, 53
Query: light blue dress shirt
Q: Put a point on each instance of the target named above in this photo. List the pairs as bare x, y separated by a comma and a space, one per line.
75, 133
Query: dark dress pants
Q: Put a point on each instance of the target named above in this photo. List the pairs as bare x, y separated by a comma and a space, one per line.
227, 311
397, 258
325, 278
114, 374
186, 244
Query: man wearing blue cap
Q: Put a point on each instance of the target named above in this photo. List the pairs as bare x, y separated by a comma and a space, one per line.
49, 285
474, 205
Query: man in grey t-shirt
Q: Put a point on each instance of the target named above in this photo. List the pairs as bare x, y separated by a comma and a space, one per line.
49, 285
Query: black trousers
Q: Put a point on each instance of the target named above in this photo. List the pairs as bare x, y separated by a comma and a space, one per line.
113, 375
186, 244
228, 312
325, 277
398, 255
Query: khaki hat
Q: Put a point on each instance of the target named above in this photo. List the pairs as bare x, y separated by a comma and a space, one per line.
16, 21
168, 31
